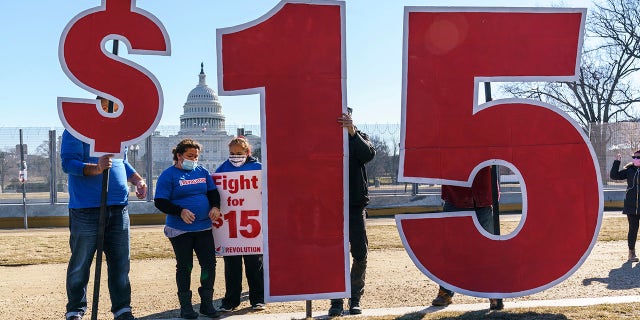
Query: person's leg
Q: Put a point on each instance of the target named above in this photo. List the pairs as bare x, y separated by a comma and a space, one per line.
359, 249
116, 249
255, 278
205, 251
232, 282
83, 229
632, 236
485, 217
183, 250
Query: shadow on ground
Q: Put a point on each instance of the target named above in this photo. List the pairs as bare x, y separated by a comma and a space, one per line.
486, 314
624, 278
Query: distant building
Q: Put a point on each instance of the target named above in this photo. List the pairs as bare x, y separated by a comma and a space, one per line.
202, 121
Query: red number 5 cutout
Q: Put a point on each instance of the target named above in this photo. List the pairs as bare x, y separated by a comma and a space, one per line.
447, 138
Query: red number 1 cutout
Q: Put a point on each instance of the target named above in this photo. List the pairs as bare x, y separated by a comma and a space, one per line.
447, 138
294, 57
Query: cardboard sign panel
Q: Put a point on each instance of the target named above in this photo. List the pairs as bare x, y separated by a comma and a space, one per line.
134, 89
447, 138
239, 230
294, 58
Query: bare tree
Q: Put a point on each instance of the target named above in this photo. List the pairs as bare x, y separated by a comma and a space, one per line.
605, 91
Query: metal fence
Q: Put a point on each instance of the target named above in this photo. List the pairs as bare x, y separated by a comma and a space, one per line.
46, 183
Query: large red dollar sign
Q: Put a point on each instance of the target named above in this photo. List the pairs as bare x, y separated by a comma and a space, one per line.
88, 64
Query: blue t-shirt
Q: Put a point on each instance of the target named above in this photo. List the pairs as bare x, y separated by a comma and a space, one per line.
187, 189
86, 191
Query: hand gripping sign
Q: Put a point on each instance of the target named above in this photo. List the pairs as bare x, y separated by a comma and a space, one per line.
294, 58
447, 138
85, 61
239, 230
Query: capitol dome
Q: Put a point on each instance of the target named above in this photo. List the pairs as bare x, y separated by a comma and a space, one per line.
202, 111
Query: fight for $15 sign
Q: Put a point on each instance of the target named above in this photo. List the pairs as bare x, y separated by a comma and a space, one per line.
239, 229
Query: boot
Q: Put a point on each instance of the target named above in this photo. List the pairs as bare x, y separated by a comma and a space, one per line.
206, 303
632, 256
186, 309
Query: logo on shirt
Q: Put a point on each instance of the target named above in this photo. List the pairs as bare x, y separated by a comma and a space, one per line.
192, 181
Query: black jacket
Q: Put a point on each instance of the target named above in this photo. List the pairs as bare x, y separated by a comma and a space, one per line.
632, 174
361, 151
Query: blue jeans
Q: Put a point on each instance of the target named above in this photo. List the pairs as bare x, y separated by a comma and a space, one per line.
485, 217
83, 227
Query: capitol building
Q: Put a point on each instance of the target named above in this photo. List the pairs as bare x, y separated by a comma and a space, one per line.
202, 121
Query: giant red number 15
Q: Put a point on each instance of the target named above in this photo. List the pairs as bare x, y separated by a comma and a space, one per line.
294, 57
447, 138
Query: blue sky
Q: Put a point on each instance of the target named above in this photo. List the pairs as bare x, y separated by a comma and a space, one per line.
32, 79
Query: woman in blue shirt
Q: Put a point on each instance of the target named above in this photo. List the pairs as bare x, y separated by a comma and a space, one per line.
187, 194
240, 159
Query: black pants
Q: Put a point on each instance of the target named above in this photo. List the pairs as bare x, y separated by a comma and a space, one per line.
233, 279
359, 247
632, 236
183, 246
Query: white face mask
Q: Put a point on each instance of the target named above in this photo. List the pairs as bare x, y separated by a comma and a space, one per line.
189, 164
237, 160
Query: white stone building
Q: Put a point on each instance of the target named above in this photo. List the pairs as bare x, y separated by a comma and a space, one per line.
202, 121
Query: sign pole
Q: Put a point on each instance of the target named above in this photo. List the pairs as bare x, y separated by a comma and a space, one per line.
101, 224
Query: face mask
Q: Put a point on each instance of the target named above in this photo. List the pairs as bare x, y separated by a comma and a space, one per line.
189, 164
237, 160
636, 162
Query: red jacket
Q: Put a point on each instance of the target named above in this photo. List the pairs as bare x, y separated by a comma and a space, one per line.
479, 195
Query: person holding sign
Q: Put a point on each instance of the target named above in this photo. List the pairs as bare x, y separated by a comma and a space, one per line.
478, 198
630, 172
240, 159
85, 186
187, 194
361, 151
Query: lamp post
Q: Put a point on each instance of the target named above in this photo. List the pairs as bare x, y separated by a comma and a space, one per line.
134, 152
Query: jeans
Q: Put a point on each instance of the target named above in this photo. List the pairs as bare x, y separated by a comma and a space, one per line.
183, 246
485, 217
83, 227
233, 279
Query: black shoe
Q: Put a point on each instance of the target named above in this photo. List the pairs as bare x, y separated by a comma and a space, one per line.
225, 308
354, 306
75, 317
496, 304
336, 308
209, 311
188, 314
125, 316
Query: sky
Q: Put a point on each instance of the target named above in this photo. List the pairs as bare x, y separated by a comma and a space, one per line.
31, 78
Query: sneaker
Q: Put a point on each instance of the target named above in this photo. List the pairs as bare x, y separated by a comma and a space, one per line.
125, 316
224, 308
496, 304
75, 317
442, 300
336, 308
354, 306
258, 306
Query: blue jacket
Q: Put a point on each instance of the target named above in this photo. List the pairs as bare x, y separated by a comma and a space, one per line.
86, 191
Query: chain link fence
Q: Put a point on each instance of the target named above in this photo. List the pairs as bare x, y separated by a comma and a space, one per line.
46, 183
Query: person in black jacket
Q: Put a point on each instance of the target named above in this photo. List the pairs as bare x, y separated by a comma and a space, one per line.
631, 172
361, 151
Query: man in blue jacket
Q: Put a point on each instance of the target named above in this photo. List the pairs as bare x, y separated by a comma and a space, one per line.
85, 190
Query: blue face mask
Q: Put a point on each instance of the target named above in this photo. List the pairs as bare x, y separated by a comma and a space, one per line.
189, 164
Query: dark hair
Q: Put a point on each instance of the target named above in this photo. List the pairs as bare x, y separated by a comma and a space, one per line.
638, 151
183, 146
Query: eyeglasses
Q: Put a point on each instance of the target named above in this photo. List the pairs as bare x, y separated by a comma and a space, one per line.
635, 157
